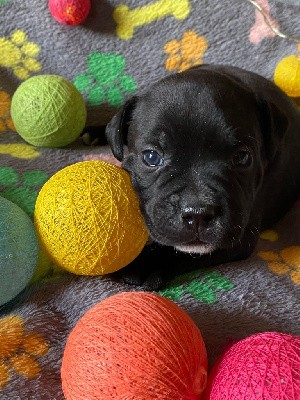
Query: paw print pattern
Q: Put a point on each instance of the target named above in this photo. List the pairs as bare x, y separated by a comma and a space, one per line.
185, 53
21, 190
260, 30
19, 150
19, 54
6, 122
270, 235
109, 158
105, 80
20, 350
287, 261
202, 285
128, 20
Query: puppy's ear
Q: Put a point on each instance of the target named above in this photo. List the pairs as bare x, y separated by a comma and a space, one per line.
274, 124
117, 130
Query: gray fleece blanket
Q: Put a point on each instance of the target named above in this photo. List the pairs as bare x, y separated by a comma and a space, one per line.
115, 53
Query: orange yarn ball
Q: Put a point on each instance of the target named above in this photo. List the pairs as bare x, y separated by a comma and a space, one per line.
134, 346
69, 12
88, 219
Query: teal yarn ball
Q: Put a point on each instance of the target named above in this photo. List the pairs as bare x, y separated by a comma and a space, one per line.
18, 250
48, 111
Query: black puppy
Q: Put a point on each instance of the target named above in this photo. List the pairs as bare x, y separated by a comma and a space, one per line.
214, 157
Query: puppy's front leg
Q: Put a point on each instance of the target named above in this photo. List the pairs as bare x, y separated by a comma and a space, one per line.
149, 268
156, 264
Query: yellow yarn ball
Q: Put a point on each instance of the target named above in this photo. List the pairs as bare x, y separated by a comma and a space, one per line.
287, 75
88, 218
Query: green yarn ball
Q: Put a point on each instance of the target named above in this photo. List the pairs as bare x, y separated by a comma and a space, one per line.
48, 111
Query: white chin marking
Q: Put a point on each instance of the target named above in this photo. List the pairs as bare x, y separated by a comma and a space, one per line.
199, 249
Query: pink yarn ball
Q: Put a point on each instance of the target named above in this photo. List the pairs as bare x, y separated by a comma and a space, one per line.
69, 12
262, 366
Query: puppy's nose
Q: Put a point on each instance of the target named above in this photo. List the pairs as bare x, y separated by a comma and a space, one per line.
198, 218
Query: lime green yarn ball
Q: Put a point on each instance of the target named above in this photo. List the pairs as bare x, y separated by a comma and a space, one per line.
48, 111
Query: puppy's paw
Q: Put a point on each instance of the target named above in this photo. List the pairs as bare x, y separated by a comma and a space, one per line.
154, 282
129, 278
149, 270
137, 275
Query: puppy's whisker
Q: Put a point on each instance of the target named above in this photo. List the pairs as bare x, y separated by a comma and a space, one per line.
254, 231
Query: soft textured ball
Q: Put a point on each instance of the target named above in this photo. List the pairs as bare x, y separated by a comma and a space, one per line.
134, 346
88, 218
287, 75
48, 111
69, 12
262, 366
18, 250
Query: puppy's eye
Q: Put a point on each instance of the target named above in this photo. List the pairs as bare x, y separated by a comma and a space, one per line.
152, 159
242, 158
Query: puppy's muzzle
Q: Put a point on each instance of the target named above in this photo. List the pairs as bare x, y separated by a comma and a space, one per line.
198, 224
198, 219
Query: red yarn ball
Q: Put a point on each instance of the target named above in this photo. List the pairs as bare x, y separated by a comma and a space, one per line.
262, 366
134, 346
69, 12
